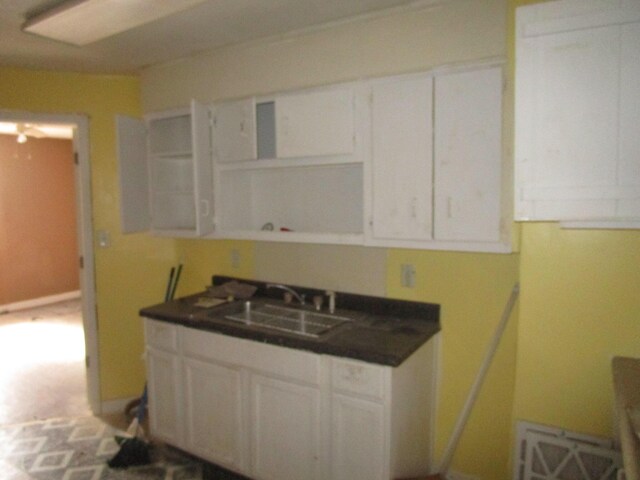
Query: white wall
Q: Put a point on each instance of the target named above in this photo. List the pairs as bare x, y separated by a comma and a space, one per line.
405, 40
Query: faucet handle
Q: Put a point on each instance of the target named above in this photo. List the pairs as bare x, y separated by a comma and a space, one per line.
317, 301
332, 300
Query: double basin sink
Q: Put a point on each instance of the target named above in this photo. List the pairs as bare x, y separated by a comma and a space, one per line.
291, 320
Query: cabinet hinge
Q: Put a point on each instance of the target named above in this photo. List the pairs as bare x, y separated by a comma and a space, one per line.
75, 158
81, 262
87, 361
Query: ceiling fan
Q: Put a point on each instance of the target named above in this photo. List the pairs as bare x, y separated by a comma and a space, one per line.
25, 130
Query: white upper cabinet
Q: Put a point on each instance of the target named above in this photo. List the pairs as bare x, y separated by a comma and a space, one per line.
577, 112
234, 131
436, 170
468, 156
402, 158
286, 167
316, 123
166, 158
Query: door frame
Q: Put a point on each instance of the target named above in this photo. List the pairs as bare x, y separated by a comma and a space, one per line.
84, 217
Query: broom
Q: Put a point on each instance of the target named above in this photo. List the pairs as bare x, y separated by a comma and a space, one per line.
134, 449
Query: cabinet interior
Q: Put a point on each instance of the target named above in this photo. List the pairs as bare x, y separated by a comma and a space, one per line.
318, 199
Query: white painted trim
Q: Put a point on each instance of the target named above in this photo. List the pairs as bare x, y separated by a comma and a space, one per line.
118, 405
38, 302
436, 383
84, 217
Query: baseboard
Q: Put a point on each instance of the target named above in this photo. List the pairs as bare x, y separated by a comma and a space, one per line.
115, 406
39, 302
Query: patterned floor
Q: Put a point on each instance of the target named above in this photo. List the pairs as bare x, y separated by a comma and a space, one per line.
78, 449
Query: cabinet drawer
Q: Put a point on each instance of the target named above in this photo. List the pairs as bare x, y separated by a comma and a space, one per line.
358, 377
280, 361
161, 335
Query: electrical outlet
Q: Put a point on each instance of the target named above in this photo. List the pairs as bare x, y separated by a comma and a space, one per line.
235, 258
408, 275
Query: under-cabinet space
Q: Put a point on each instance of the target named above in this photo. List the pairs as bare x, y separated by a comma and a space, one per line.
316, 199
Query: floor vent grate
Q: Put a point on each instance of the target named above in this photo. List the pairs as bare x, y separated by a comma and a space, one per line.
548, 453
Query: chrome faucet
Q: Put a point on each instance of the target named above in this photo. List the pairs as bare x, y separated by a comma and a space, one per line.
288, 290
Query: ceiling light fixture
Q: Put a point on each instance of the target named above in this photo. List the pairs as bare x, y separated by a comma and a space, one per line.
80, 22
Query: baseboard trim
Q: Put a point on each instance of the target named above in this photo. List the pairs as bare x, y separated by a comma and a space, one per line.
115, 406
38, 302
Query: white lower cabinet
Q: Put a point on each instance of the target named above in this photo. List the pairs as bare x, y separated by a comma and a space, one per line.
163, 371
213, 412
358, 442
272, 413
285, 424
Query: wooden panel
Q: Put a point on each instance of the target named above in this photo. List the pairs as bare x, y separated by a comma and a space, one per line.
164, 396
214, 413
234, 131
133, 174
286, 430
285, 362
402, 158
315, 123
161, 335
359, 441
468, 155
358, 377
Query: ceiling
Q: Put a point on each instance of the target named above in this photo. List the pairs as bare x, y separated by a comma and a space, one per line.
203, 27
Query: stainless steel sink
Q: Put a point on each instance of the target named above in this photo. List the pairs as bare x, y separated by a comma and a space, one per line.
291, 320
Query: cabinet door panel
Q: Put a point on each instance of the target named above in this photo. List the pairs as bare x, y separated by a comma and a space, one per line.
402, 159
202, 168
234, 131
576, 99
214, 413
468, 146
286, 430
133, 174
164, 391
315, 123
358, 445
630, 119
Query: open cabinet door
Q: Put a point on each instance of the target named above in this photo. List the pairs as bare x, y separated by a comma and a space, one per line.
133, 174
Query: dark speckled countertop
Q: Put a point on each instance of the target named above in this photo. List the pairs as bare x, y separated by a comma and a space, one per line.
383, 331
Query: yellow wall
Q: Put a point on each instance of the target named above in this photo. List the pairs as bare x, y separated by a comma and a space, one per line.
580, 307
132, 272
472, 290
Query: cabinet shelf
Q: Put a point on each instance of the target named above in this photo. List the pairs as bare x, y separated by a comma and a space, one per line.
172, 154
273, 163
295, 237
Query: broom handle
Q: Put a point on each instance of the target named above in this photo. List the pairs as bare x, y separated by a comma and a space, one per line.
475, 389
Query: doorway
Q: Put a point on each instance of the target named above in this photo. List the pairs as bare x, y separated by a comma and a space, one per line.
79, 126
